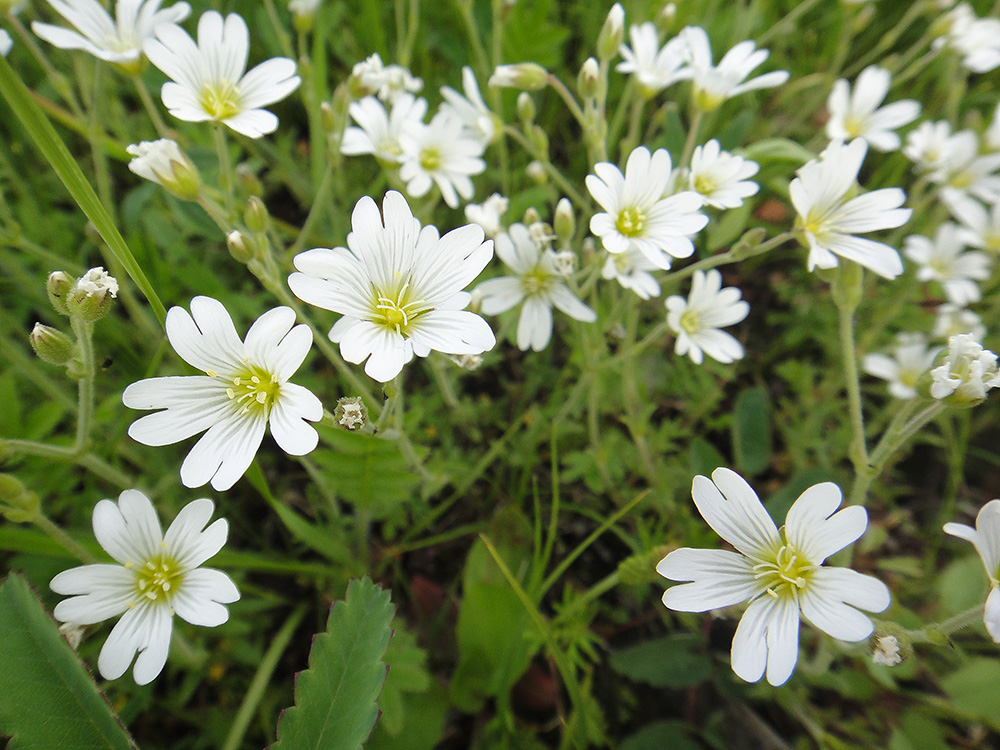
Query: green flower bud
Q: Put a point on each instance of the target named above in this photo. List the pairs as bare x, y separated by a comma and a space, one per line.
564, 222
527, 76
163, 162
588, 82
59, 286
536, 172
526, 108
17, 504
256, 215
848, 285
92, 296
247, 181
612, 33
52, 345
641, 567
239, 246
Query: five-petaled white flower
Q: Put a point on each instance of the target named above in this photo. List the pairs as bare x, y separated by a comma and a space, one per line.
476, 118
379, 132
632, 269
829, 217
720, 177
780, 572
986, 538
399, 287
440, 153
488, 214
697, 319
968, 372
856, 114
951, 320
714, 84
157, 576
943, 260
637, 215
116, 40
910, 359
245, 387
539, 285
654, 67
209, 79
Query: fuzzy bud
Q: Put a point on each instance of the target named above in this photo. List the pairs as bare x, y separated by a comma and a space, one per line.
588, 82
303, 14
351, 413
666, 17
750, 240
17, 504
612, 33
163, 162
91, 297
526, 108
256, 216
58, 287
526, 76
52, 345
248, 182
641, 567
239, 246
564, 223
536, 172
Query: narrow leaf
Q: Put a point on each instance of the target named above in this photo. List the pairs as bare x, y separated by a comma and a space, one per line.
52, 147
47, 699
335, 698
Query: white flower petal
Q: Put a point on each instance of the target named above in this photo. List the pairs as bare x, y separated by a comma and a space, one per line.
731, 507
720, 579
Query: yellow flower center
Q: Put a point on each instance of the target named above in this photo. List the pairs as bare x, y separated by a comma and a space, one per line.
157, 579
704, 184
221, 100
689, 321
253, 389
787, 574
961, 179
855, 126
430, 158
536, 281
397, 310
631, 222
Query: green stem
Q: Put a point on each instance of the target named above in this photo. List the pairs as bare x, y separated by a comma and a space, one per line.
316, 211
888, 38
85, 410
262, 679
846, 295
225, 168
147, 102
786, 25
692, 137
42, 521
567, 96
557, 176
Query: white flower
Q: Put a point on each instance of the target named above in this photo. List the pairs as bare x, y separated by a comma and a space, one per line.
856, 114
968, 372
245, 387
632, 269
209, 82
981, 228
952, 320
476, 118
886, 651
303, 7
537, 285
780, 573
943, 261
379, 134
5, 42
713, 84
116, 40
829, 216
929, 145
157, 576
965, 174
697, 319
977, 40
162, 161
96, 283
398, 286
653, 67
986, 538
440, 154
637, 215
720, 177
488, 214
387, 82
909, 361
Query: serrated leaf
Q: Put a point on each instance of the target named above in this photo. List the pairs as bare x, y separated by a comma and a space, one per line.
675, 661
367, 471
335, 698
47, 699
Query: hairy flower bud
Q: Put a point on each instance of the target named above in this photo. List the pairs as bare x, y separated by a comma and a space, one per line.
17, 504
588, 82
58, 287
564, 222
256, 215
239, 246
91, 298
527, 76
52, 345
248, 182
612, 32
163, 162
526, 108
536, 172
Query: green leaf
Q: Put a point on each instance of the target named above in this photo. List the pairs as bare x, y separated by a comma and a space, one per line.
776, 149
676, 661
975, 687
367, 471
961, 585
918, 731
47, 699
335, 698
661, 734
704, 457
62, 161
407, 674
752, 431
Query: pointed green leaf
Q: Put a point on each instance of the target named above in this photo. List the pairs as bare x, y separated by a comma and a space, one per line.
335, 698
47, 699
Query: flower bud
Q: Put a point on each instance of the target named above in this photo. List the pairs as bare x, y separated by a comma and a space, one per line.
526, 108
326, 117
848, 285
531, 216
564, 223
588, 82
256, 215
58, 287
527, 76
239, 246
641, 567
17, 504
666, 17
538, 139
750, 239
52, 345
468, 362
890, 644
91, 297
303, 14
351, 413
247, 181
163, 162
536, 172
612, 32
